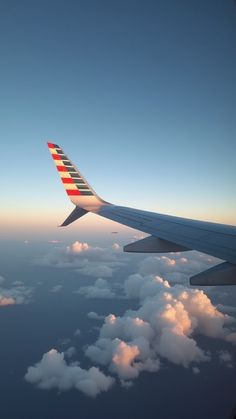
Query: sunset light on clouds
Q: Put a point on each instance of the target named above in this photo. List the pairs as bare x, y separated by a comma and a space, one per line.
140, 96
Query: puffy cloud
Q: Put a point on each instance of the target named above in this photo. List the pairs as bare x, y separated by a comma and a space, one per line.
6, 301
205, 317
137, 286
165, 325
100, 289
176, 267
54, 372
179, 348
125, 327
116, 246
77, 247
123, 360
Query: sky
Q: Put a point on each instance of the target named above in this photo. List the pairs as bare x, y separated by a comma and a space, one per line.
141, 97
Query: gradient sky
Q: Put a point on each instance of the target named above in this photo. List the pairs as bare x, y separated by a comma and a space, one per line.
141, 96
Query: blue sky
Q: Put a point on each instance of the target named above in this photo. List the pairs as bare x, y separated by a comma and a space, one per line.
141, 95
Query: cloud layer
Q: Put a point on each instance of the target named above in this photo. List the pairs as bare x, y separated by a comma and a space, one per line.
163, 329
87, 260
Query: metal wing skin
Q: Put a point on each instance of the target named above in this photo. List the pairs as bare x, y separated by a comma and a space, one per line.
167, 233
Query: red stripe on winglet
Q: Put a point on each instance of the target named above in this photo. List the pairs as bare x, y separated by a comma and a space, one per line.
67, 180
51, 145
72, 192
56, 156
61, 169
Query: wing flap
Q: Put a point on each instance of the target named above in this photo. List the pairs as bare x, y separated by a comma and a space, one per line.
222, 274
153, 244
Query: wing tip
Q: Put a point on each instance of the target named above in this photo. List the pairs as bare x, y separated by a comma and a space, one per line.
52, 145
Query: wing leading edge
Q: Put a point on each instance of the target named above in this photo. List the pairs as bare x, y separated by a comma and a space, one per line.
167, 233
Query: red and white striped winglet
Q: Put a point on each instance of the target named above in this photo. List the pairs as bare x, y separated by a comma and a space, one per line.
78, 189
63, 170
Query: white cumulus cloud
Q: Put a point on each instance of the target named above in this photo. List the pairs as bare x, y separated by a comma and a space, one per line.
54, 372
77, 247
164, 326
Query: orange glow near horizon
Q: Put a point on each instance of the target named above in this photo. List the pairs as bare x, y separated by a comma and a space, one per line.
19, 222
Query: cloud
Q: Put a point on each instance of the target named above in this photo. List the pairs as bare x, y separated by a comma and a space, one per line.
231, 337
70, 352
196, 370
225, 356
77, 247
16, 295
137, 286
95, 269
116, 246
77, 333
18, 283
57, 288
6, 301
88, 260
54, 372
2, 279
100, 289
95, 316
123, 360
164, 326
175, 267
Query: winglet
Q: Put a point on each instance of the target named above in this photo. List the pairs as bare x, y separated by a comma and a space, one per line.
77, 188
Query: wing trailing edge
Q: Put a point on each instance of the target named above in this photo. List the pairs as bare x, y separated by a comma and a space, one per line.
153, 244
222, 274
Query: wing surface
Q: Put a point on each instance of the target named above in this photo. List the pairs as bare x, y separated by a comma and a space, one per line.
167, 233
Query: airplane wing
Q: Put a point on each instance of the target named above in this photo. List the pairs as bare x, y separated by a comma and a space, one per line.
166, 233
